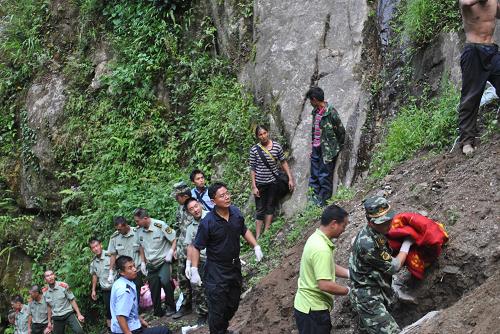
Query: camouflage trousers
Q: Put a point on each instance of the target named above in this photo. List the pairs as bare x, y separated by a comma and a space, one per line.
199, 298
373, 315
184, 284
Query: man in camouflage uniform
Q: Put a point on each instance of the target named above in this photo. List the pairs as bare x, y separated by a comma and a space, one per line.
181, 193
125, 241
99, 269
328, 135
61, 304
157, 244
195, 209
371, 267
21, 317
38, 318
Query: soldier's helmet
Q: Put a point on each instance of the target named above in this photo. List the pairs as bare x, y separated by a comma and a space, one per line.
378, 210
180, 188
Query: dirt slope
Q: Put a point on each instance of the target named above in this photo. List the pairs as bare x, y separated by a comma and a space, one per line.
458, 191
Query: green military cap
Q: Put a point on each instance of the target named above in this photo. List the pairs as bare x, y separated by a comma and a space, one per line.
179, 188
378, 210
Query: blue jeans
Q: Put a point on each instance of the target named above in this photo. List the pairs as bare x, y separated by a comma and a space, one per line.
321, 180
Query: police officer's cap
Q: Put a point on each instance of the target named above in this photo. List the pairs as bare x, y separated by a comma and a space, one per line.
378, 210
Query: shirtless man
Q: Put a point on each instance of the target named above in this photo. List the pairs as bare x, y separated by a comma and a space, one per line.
480, 62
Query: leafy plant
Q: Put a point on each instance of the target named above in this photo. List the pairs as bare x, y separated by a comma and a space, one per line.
431, 124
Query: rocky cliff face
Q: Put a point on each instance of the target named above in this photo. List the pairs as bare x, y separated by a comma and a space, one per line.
298, 44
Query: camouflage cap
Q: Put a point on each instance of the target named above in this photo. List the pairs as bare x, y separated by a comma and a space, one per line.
179, 188
378, 210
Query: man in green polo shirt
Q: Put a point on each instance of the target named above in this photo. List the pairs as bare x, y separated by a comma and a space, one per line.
316, 284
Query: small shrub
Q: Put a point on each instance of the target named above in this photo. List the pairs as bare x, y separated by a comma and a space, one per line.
432, 124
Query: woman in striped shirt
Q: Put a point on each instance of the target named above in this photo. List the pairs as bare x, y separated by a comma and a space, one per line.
266, 160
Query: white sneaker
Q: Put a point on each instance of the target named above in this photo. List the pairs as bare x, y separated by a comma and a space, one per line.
468, 149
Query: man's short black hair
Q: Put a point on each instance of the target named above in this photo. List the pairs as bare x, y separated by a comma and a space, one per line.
121, 261
189, 200
316, 93
17, 299
94, 239
120, 220
214, 187
333, 212
194, 173
141, 213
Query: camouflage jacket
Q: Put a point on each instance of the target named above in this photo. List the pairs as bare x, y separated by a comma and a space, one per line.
370, 265
182, 221
332, 133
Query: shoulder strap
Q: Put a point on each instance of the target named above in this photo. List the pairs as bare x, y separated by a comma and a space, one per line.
266, 150
264, 160
200, 198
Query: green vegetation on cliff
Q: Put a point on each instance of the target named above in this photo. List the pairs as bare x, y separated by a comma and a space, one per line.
166, 105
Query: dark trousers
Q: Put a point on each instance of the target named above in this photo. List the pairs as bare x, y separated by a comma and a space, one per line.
316, 322
158, 278
479, 63
184, 285
223, 301
69, 319
106, 296
139, 282
321, 180
37, 328
266, 203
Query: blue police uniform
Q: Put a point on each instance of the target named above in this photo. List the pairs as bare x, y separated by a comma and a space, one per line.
222, 277
123, 302
203, 198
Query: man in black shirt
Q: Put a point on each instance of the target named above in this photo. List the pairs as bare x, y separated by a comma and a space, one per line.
219, 232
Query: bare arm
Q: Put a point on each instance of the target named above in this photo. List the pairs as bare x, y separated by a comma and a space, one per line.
341, 271
122, 321
112, 260
286, 168
77, 310
250, 238
195, 257
332, 287
255, 190
29, 324
141, 254
93, 294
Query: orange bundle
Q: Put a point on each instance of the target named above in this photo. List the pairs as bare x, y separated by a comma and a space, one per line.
429, 236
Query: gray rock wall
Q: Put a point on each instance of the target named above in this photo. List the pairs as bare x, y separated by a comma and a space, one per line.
300, 43
39, 185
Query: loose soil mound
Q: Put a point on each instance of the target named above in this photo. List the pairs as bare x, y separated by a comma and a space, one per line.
458, 191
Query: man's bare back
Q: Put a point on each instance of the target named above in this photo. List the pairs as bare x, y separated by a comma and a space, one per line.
479, 19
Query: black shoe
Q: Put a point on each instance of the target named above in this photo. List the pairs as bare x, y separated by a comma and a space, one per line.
159, 315
182, 312
202, 321
170, 311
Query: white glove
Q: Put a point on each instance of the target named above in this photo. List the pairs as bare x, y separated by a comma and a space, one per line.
258, 253
188, 269
195, 277
111, 277
143, 269
169, 255
405, 247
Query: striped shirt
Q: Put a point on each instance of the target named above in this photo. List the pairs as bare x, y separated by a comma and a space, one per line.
317, 130
262, 174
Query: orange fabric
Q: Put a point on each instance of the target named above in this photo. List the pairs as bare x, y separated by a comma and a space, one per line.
429, 236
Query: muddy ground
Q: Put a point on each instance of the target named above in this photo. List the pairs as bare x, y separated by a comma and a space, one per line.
463, 284
461, 192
